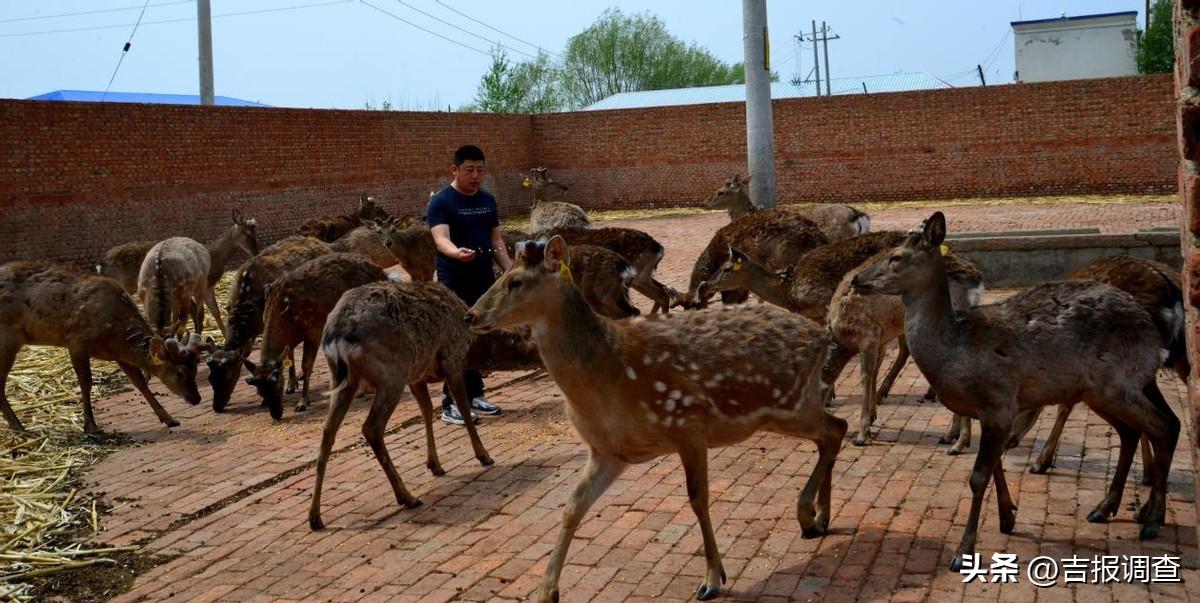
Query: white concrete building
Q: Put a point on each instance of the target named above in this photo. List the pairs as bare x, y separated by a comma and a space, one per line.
1072, 48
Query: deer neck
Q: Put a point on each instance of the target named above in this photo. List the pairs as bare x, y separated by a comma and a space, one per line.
577, 345
134, 350
741, 207
771, 287
221, 249
930, 323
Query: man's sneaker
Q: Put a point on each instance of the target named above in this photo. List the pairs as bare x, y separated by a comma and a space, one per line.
450, 415
483, 406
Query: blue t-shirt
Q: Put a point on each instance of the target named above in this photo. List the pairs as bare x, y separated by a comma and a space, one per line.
471, 219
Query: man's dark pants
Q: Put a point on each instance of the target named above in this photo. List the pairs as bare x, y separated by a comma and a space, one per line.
468, 288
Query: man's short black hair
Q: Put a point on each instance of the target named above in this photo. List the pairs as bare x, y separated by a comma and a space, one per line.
467, 152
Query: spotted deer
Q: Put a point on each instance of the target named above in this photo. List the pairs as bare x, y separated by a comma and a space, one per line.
1157, 288
990, 363
682, 383
371, 240
123, 262
775, 239
836, 221
173, 284
248, 299
639, 248
548, 212
602, 275
332, 228
396, 335
92, 317
297, 306
413, 246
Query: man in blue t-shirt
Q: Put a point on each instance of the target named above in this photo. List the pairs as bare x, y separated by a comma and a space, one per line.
466, 229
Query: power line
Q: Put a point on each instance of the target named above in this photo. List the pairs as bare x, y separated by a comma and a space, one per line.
125, 50
539, 47
428, 31
179, 20
468, 32
93, 12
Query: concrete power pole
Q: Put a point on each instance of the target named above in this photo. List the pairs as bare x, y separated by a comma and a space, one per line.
816, 59
204, 33
760, 138
825, 43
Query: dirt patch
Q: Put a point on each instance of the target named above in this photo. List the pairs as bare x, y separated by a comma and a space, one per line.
99, 582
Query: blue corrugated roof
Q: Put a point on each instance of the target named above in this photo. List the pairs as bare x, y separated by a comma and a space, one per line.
895, 82
93, 96
1098, 16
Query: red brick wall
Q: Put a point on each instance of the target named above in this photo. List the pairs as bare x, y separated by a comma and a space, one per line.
1093, 136
77, 178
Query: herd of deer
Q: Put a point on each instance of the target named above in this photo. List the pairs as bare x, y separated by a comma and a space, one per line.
637, 387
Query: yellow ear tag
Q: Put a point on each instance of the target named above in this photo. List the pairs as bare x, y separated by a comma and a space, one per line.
564, 272
155, 360
736, 266
945, 249
525, 182
287, 363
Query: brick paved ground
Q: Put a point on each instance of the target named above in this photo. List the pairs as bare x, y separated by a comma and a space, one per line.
229, 493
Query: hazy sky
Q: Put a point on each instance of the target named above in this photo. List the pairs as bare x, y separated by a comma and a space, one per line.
344, 53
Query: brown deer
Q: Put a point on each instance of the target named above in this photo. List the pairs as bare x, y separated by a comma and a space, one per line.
371, 240
297, 307
330, 229
990, 363
865, 324
683, 383
639, 248
602, 275
123, 262
242, 234
173, 284
92, 317
413, 246
1157, 288
548, 213
248, 299
392, 335
773, 238
836, 221
807, 286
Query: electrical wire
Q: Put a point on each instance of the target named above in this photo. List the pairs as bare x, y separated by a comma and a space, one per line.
468, 32
125, 50
539, 47
428, 31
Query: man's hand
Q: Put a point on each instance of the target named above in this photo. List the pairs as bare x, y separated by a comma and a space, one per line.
463, 254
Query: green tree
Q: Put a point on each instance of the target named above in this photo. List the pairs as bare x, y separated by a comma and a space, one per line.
498, 91
1156, 45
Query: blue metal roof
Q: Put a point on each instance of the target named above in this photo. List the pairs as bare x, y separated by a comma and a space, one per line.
1080, 17
895, 82
94, 96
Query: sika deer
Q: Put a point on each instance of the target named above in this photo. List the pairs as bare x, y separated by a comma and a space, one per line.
330, 229
776, 239
414, 248
173, 284
392, 335
123, 262
836, 221
548, 213
248, 298
865, 324
297, 307
807, 286
92, 317
602, 275
682, 384
370, 240
639, 248
242, 234
990, 363
1156, 287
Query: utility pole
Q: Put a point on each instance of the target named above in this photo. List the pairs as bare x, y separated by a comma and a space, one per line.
825, 42
816, 57
204, 34
760, 141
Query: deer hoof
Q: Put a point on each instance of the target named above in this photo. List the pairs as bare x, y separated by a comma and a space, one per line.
1149, 531
1097, 516
706, 592
1039, 468
435, 469
1142, 512
957, 562
315, 524
486, 461
811, 532
547, 595
1008, 524
412, 504
859, 441
301, 407
953, 451
168, 423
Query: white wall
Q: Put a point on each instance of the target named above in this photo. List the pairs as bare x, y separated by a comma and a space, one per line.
1076, 49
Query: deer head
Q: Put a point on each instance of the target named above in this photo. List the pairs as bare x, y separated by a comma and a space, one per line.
915, 265
245, 233
368, 211
174, 362
523, 293
542, 185
267, 378
733, 196
224, 369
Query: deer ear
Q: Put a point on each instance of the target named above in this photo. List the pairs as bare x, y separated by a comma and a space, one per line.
935, 230
157, 348
746, 180
237, 216
556, 253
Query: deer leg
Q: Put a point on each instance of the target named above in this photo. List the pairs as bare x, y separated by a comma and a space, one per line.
839, 356
292, 379
458, 390
828, 432
598, 475
420, 391
386, 398
1045, 460
869, 361
8, 356
991, 446
338, 405
1024, 422
1008, 511
1147, 462
210, 300
885, 387
952, 431
695, 467
1158, 423
1112, 500
139, 381
197, 311
81, 361
964, 435
308, 357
